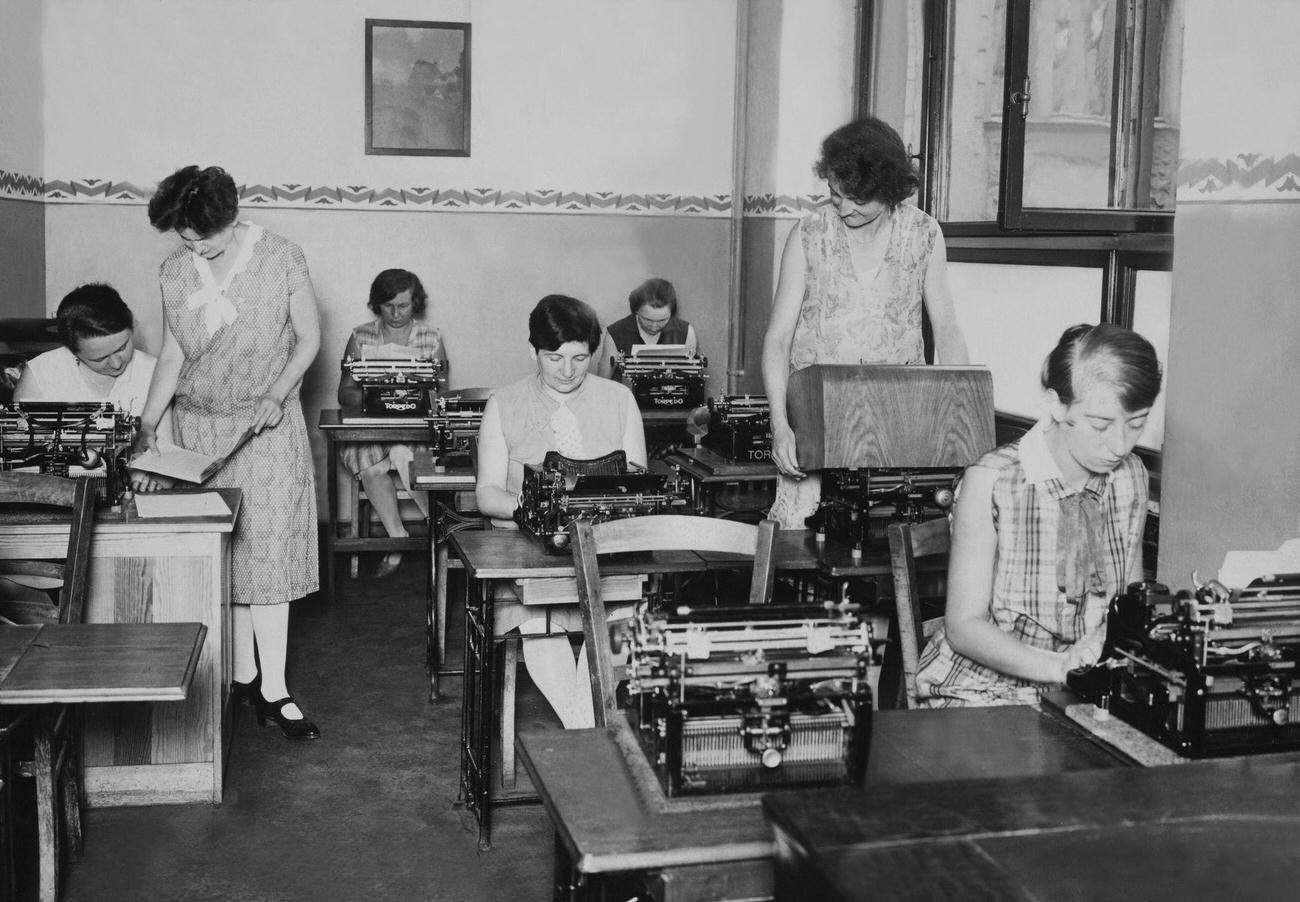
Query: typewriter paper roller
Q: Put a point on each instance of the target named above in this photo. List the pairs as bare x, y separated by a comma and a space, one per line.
846, 417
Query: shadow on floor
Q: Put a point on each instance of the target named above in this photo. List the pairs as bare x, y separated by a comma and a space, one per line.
364, 813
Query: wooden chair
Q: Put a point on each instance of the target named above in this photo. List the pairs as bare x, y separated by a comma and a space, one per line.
907, 543
55, 731
667, 532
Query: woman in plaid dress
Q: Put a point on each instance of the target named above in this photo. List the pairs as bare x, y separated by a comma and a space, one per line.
241, 330
1047, 529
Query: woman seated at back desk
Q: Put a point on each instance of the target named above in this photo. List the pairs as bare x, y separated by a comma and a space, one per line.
398, 301
564, 408
653, 320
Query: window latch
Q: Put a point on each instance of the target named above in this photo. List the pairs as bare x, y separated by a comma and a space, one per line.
1021, 98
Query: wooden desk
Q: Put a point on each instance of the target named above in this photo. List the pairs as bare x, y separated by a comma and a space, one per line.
338, 433
99, 662
711, 475
611, 833
1210, 830
152, 571
443, 484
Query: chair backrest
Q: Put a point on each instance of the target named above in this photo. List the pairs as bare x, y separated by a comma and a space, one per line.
77, 496
666, 532
907, 542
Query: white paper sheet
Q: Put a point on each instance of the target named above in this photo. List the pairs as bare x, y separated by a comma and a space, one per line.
1240, 567
199, 504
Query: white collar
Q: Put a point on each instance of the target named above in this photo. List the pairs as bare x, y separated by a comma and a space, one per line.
1036, 458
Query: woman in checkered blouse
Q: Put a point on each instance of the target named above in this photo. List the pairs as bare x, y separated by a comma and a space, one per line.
1047, 529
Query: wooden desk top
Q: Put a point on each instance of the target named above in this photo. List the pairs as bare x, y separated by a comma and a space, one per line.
513, 554
1208, 830
798, 549
103, 662
54, 524
331, 423
584, 782
707, 466
425, 475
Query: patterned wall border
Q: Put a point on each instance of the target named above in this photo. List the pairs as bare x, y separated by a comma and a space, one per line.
1242, 177
15, 186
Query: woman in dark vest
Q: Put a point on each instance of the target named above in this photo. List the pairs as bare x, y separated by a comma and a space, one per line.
653, 320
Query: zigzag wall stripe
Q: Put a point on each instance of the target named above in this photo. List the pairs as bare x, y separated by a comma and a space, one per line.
1245, 176
25, 187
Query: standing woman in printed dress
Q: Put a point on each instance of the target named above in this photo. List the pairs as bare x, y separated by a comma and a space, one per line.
398, 301
241, 330
855, 274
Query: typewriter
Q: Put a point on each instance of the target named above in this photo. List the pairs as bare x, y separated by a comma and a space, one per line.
857, 506
740, 427
1208, 671
397, 386
454, 422
562, 490
79, 439
748, 699
662, 377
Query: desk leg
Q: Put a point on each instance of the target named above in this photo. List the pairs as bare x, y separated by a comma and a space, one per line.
331, 512
477, 709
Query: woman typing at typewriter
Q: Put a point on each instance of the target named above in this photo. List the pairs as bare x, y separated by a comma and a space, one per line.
855, 274
1047, 529
564, 408
653, 320
398, 301
98, 362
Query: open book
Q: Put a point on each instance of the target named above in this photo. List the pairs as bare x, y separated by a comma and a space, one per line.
184, 464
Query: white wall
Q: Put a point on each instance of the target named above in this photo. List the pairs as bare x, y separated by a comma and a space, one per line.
22, 140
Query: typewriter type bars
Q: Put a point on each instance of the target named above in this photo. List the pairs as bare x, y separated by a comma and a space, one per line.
1209, 672
663, 378
742, 699
397, 386
740, 427
79, 439
453, 424
857, 506
551, 499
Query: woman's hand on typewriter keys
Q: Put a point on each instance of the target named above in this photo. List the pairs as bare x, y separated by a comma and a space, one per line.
1085, 653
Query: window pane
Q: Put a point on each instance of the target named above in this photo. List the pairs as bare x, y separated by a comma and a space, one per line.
1151, 320
1012, 317
1169, 71
898, 67
978, 36
1067, 134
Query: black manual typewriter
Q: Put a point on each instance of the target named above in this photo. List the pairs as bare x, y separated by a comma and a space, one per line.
1206, 672
662, 378
80, 439
740, 427
454, 423
735, 699
562, 490
857, 506
396, 387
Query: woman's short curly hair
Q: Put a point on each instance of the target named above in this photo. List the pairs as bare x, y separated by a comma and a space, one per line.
392, 282
866, 160
205, 200
559, 319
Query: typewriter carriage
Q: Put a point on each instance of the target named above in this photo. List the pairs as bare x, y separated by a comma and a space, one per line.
79, 439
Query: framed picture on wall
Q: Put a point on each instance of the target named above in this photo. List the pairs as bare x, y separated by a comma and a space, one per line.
417, 88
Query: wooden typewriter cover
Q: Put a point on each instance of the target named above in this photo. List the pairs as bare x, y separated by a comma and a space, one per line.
891, 416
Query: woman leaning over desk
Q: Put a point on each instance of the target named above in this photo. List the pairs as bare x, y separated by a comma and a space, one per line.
241, 330
1046, 530
854, 276
564, 408
398, 301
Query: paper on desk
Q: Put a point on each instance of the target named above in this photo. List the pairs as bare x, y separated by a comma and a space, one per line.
199, 504
1240, 567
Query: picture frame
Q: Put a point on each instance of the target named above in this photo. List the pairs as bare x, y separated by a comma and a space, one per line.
417, 88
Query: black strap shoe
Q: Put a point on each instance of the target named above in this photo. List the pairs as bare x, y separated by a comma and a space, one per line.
300, 728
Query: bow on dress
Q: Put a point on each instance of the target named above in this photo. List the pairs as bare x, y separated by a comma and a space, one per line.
1079, 572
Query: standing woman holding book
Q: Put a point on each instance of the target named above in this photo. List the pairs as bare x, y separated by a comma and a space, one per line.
241, 330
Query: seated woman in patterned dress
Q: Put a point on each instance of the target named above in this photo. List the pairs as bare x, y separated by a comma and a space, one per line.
1047, 529
398, 301
565, 408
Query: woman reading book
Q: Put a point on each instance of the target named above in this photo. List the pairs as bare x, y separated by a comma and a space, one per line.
562, 407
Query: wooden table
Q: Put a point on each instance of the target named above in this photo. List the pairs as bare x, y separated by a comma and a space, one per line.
337, 433
174, 570
1208, 830
711, 475
492, 555
442, 483
610, 835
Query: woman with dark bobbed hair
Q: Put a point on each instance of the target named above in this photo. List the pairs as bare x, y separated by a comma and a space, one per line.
855, 274
653, 320
565, 408
241, 330
1046, 530
398, 301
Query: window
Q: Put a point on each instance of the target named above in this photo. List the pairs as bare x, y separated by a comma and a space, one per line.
1057, 115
